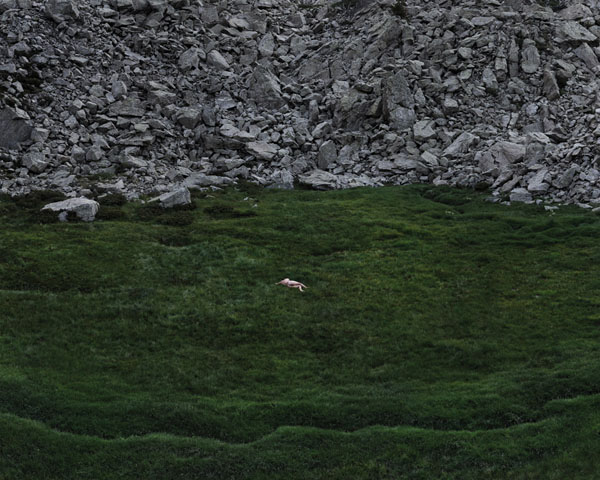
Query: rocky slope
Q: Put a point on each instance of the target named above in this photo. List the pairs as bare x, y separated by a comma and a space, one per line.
143, 96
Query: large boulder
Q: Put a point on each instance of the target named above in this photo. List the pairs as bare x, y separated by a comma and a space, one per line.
265, 88
60, 10
319, 179
15, 127
84, 208
178, 197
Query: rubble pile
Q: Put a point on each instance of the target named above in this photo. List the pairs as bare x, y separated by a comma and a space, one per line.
148, 96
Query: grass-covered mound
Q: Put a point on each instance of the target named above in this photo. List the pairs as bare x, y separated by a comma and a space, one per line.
441, 336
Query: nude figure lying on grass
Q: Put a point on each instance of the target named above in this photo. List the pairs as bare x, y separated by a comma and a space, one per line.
292, 284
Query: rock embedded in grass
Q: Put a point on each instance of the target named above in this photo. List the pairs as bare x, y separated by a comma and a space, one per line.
84, 208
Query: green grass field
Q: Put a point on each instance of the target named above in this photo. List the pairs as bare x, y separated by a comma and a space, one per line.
441, 337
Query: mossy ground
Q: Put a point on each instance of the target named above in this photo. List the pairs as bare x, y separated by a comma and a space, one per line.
440, 337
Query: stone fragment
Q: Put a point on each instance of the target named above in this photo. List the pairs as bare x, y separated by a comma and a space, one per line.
327, 155
520, 195
266, 46
585, 53
423, 130
450, 105
200, 180
35, 161
319, 179
530, 57
461, 145
60, 10
15, 127
550, 86
490, 82
567, 177
189, 117
190, 59
264, 88
215, 59
576, 11
573, 31
537, 183
7, 5
84, 208
174, 198
118, 89
262, 150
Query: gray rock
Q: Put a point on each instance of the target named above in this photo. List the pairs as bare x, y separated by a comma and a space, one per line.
200, 180
423, 130
189, 117
550, 86
398, 102
461, 145
84, 208
7, 5
327, 154
566, 178
530, 57
215, 59
35, 161
15, 127
450, 105
520, 195
262, 150
60, 10
180, 196
573, 31
190, 59
585, 53
490, 82
264, 88
266, 46
319, 179
576, 11
537, 183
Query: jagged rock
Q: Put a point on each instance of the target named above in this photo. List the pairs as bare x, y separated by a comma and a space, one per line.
199, 180
398, 102
537, 183
585, 52
84, 208
550, 87
15, 127
7, 5
189, 117
180, 196
530, 57
190, 59
520, 195
575, 32
576, 11
266, 46
327, 154
262, 150
461, 145
35, 161
319, 179
264, 88
215, 59
423, 130
490, 81
60, 10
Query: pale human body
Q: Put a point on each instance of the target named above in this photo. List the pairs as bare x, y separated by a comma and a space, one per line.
292, 284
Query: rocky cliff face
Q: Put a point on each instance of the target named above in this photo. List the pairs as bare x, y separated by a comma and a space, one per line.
141, 96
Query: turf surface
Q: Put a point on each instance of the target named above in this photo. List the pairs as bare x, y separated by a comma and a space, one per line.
441, 336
